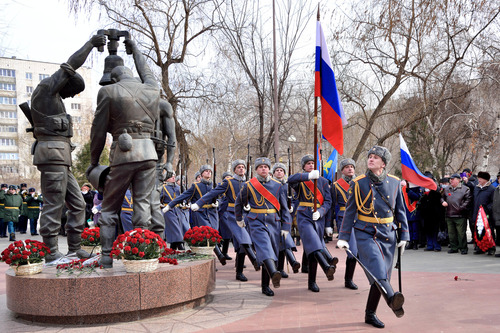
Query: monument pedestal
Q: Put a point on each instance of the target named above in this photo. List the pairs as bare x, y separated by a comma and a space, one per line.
109, 295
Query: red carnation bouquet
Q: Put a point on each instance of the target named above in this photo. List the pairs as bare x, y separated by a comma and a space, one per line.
91, 237
138, 244
24, 252
202, 236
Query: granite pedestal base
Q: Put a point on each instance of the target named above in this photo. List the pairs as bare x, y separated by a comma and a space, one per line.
110, 295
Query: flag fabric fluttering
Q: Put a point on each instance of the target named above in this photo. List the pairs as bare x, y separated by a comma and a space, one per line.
330, 167
332, 114
410, 171
319, 157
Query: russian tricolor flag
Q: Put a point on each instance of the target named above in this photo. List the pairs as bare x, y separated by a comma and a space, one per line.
332, 113
410, 171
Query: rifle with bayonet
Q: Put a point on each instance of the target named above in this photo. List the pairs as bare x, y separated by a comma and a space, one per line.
214, 175
289, 189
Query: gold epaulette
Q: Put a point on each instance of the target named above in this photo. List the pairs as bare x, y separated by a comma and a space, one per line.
358, 178
394, 177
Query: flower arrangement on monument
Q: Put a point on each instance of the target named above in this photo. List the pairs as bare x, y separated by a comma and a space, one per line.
91, 237
26, 256
168, 256
203, 236
24, 252
138, 244
77, 265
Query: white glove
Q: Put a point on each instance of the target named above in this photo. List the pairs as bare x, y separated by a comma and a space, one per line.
284, 233
95, 210
246, 208
313, 174
195, 207
342, 244
188, 205
291, 210
316, 216
216, 204
329, 231
402, 245
166, 209
241, 224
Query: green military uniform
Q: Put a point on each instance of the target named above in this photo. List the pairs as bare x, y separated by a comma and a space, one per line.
3, 226
13, 204
33, 210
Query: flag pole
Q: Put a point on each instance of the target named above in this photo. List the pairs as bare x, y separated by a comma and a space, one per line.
315, 144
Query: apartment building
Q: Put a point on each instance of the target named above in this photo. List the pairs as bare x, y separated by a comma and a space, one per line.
18, 79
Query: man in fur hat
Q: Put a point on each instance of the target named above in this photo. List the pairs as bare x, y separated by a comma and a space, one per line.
374, 209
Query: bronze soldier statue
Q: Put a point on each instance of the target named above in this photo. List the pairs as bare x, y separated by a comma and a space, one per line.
128, 109
52, 129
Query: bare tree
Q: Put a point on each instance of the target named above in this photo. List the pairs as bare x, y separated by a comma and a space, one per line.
246, 42
171, 33
387, 50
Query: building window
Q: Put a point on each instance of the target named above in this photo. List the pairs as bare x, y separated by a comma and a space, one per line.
9, 129
8, 169
8, 114
76, 120
7, 142
7, 72
43, 76
29, 89
9, 156
76, 106
8, 100
29, 76
7, 86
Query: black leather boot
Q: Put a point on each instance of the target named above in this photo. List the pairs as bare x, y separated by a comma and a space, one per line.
333, 261
350, 265
305, 263
180, 246
371, 308
274, 274
219, 255
311, 275
225, 248
395, 300
329, 270
297, 241
265, 284
281, 264
251, 255
291, 259
240, 261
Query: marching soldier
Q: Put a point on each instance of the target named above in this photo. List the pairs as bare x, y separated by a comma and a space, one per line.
184, 215
206, 215
33, 201
268, 219
340, 192
312, 224
230, 187
12, 205
224, 230
173, 228
3, 226
286, 244
374, 207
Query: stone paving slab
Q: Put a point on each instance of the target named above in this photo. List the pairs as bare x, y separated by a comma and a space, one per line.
435, 301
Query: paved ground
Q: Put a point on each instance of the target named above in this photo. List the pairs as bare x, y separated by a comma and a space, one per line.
435, 301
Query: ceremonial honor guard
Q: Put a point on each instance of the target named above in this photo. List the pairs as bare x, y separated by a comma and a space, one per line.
286, 243
230, 187
127, 212
374, 209
173, 228
268, 219
33, 202
22, 224
224, 230
311, 223
340, 192
184, 215
206, 215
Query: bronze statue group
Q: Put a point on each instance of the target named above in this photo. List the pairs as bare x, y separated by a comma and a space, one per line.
259, 210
